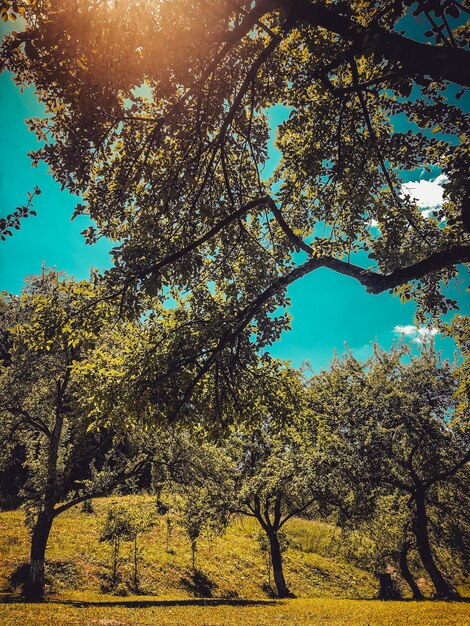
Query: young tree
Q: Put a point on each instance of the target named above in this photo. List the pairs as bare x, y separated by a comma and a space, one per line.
125, 523
201, 512
159, 116
117, 527
45, 332
141, 523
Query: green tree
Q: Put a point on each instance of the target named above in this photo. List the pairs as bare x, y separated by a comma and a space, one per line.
397, 421
385, 540
263, 473
45, 332
125, 523
117, 527
159, 116
202, 513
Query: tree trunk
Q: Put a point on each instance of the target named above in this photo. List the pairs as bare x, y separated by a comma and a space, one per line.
387, 588
116, 546
276, 560
406, 573
34, 586
421, 532
136, 565
193, 553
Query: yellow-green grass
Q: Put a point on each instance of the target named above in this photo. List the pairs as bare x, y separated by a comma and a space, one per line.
329, 590
233, 562
315, 611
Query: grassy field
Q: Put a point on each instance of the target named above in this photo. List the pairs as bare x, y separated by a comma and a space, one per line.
328, 590
316, 611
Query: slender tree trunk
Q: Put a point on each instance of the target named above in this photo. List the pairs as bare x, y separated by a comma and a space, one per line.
276, 560
136, 565
406, 573
193, 553
421, 532
116, 546
35, 586
168, 533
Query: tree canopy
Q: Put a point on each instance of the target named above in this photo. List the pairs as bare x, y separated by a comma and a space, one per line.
159, 115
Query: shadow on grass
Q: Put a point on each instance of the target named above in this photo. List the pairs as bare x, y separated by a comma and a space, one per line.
142, 604
7, 598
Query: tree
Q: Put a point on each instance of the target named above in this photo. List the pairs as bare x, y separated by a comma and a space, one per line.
159, 116
202, 512
388, 544
409, 440
263, 472
44, 334
125, 523
274, 482
118, 527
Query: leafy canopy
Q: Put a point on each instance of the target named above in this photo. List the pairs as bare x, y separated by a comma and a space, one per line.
159, 117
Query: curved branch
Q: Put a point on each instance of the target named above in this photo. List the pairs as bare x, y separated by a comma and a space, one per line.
438, 62
450, 472
375, 283
179, 254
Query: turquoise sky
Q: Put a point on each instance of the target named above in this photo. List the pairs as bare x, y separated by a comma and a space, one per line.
327, 309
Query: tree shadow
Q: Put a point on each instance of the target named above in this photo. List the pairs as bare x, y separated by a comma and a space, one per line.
142, 604
199, 585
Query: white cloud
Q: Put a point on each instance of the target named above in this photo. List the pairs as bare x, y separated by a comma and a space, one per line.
428, 194
417, 334
409, 329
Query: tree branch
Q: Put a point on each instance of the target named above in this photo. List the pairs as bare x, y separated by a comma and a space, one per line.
102, 491
438, 62
179, 254
450, 472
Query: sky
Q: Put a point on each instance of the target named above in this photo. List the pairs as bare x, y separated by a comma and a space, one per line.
328, 310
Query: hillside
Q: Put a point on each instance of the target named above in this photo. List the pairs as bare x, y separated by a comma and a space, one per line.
232, 564
232, 571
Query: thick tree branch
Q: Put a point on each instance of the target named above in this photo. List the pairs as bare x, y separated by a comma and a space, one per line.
104, 490
450, 472
438, 62
374, 283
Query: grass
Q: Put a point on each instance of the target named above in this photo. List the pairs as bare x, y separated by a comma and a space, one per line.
329, 591
317, 611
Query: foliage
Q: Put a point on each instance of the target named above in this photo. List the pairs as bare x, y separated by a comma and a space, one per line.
395, 424
158, 115
134, 374
45, 332
459, 330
